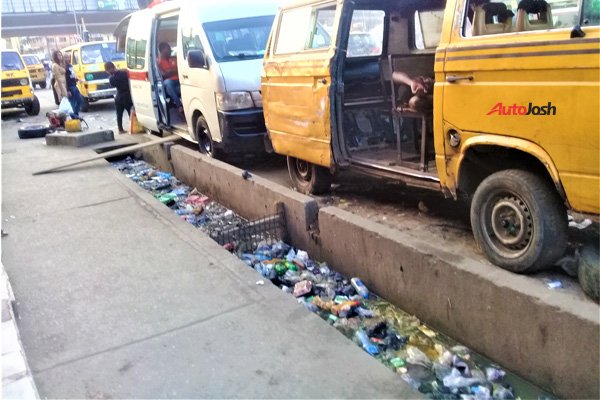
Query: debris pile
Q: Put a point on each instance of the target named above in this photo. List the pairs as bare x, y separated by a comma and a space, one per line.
192, 206
428, 361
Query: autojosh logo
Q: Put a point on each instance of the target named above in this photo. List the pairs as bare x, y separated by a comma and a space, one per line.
516, 109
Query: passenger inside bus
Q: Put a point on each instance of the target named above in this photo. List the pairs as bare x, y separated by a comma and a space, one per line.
167, 66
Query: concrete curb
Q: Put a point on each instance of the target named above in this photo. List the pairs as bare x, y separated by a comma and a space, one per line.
253, 198
79, 139
17, 381
504, 316
528, 329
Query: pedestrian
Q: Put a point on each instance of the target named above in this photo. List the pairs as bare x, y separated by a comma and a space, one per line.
65, 82
75, 97
119, 80
59, 70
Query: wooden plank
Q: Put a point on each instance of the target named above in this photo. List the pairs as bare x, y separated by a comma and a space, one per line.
112, 153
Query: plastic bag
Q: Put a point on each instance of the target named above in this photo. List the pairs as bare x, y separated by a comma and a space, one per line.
65, 106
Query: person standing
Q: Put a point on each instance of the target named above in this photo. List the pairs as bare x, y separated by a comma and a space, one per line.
75, 97
119, 80
59, 70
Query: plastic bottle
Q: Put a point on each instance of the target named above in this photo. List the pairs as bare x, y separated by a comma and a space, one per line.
269, 271
291, 255
366, 343
364, 312
455, 380
280, 268
494, 374
360, 287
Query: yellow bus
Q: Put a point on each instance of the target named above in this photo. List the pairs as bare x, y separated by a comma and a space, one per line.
88, 62
37, 72
496, 102
17, 89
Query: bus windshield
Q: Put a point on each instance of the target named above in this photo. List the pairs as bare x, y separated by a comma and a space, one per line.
236, 39
31, 60
11, 61
100, 53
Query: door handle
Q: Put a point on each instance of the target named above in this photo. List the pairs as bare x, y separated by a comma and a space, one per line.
184, 76
323, 81
454, 78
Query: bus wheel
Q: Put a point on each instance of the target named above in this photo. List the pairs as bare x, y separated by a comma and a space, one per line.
309, 178
33, 108
206, 144
519, 221
42, 85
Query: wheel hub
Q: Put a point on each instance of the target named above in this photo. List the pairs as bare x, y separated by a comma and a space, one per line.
205, 140
303, 169
511, 222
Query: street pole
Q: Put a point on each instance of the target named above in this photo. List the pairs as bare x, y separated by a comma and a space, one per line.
75, 19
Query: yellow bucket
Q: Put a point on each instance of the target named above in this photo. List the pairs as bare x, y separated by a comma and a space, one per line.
73, 125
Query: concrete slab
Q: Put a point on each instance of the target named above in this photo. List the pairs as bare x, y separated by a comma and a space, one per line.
121, 298
80, 139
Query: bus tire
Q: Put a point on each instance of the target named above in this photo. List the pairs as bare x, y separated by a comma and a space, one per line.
206, 144
33, 131
33, 108
519, 221
309, 178
589, 270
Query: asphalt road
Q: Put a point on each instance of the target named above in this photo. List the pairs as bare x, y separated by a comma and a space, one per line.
424, 214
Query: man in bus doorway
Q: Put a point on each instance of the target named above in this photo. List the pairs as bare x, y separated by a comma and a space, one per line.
168, 69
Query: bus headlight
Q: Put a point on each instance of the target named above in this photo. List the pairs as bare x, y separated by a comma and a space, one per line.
234, 101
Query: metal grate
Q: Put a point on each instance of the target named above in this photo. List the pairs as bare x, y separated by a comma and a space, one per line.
248, 236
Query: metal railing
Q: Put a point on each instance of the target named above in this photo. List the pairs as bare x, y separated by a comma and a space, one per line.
45, 6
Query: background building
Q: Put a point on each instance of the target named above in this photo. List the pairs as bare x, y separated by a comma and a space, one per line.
40, 26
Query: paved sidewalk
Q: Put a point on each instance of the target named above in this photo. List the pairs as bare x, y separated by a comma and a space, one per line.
119, 298
17, 382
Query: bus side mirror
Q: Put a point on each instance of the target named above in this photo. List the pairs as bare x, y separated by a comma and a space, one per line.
196, 59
